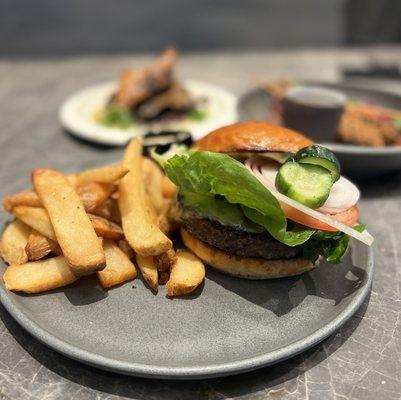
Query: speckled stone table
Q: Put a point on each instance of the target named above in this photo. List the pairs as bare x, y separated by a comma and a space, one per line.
361, 361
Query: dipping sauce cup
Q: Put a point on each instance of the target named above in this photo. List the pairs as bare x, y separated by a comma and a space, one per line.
314, 111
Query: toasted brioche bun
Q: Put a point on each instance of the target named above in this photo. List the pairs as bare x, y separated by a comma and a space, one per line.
253, 136
248, 268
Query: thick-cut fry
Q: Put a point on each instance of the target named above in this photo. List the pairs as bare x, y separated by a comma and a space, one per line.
118, 269
186, 274
40, 246
164, 262
152, 178
149, 270
164, 220
38, 276
105, 228
109, 174
109, 210
27, 198
94, 194
168, 187
74, 231
140, 230
37, 218
126, 248
13, 242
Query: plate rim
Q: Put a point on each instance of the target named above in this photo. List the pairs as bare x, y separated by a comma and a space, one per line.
338, 147
197, 372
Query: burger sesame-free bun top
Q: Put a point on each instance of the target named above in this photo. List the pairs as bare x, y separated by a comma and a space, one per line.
253, 136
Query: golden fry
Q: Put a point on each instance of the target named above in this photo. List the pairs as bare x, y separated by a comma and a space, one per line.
38, 276
40, 246
152, 178
126, 248
27, 198
105, 228
118, 266
13, 242
164, 221
94, 194
109, 210
169, 189
164, 262
186, 274
140, 230
37, 218
149, 270
74, 231
109, 174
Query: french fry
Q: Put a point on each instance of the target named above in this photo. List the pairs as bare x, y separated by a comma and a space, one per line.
109, 174
38, 276
40, 246
27, 198
109, 210
118, 269
75, 234
149, 270
152, 178
37, 218
164, 220
106, 175
94, 194
105, 228
186, 274
164, 263
169, 189
126, 248
140, 230
13, 242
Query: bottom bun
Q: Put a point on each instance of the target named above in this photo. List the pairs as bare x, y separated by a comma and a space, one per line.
248, 268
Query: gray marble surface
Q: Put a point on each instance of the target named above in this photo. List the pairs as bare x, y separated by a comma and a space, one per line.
361, 361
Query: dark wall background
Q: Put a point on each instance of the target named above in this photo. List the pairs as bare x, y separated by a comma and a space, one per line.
53, 27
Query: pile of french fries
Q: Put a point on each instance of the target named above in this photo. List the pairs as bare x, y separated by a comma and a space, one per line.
102, 221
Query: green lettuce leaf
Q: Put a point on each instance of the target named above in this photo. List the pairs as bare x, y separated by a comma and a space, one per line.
218, 209
331, 245
212, 174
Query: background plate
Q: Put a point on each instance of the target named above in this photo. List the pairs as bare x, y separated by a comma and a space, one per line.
357, 161
77, 114
228, 326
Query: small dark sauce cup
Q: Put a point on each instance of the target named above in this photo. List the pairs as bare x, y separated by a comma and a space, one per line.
313, 111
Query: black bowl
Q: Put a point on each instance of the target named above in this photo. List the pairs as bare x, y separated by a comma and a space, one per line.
314, 111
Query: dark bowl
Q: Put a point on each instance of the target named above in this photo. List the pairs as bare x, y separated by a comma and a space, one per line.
356, 161
314, 111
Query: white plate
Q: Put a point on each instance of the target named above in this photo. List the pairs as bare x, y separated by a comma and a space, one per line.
78, 111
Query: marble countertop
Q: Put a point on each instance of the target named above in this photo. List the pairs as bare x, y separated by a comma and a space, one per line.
361, 361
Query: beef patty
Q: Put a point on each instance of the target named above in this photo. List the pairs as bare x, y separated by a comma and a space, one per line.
237, 242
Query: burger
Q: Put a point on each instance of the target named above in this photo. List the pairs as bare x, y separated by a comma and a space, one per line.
256, 200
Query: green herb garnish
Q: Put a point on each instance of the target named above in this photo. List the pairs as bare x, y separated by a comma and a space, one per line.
116, 116
196, 115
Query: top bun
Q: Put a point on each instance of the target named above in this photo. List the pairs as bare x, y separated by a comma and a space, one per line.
253, 136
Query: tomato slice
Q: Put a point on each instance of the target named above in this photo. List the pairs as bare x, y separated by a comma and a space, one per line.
348, 217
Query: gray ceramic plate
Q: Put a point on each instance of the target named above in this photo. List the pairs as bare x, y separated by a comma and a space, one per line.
228, 326
357, 161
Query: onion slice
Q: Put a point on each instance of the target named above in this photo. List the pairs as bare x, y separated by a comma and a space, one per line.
267, 180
